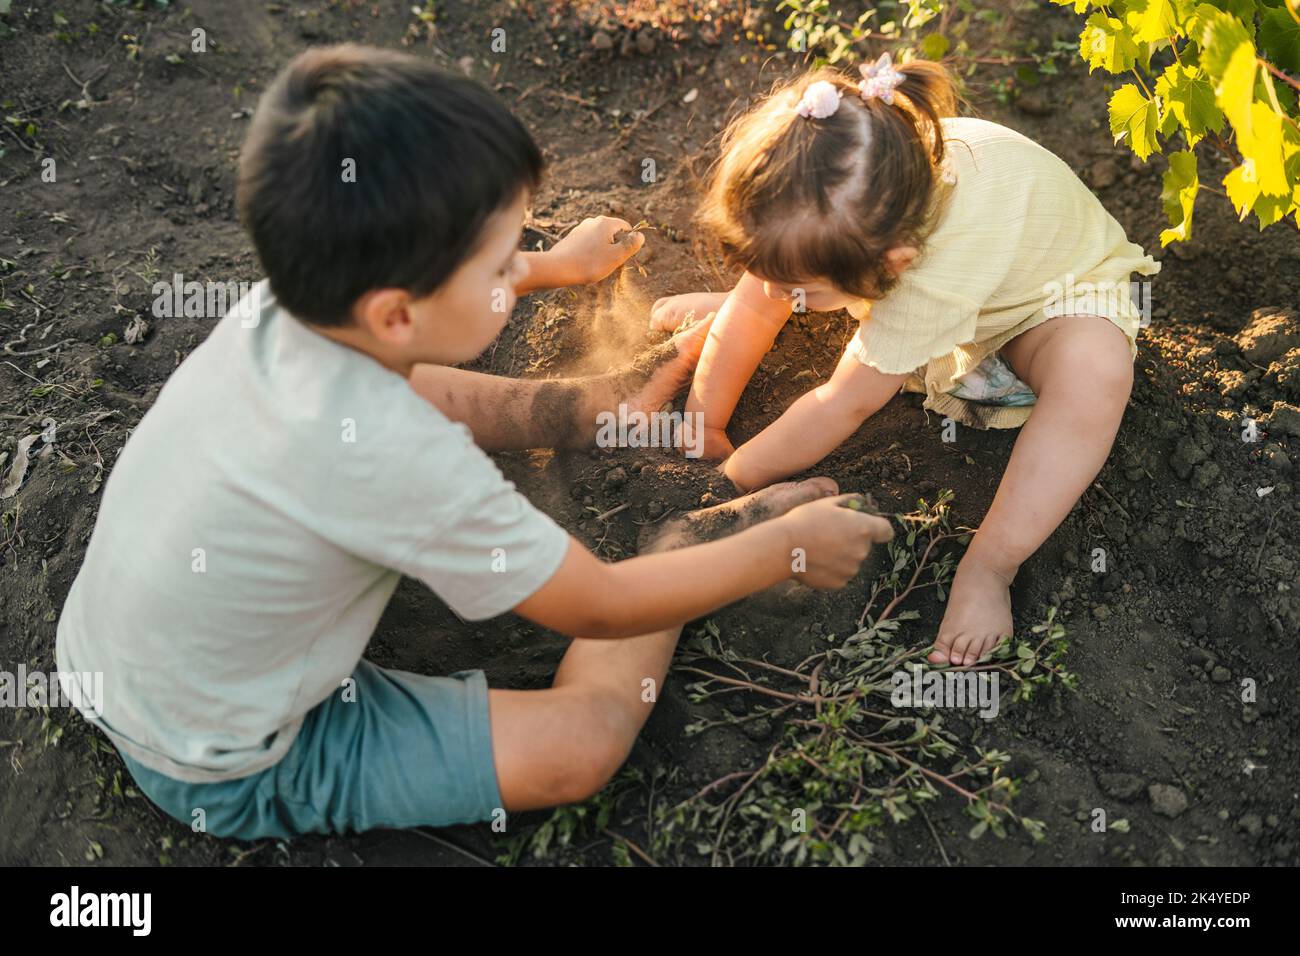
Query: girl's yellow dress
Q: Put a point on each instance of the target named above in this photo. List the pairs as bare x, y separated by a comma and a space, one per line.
1018, 241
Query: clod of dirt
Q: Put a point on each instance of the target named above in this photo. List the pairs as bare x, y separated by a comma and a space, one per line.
1206, 475
602, 41
1285, 374
1035, 104
1120, 786
1284, 419
1187, 455
1166, 800
1272, 333
1276, 458
1103, 173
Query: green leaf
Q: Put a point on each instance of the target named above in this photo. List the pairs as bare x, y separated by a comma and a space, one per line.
1079, 5
1179, 196
1150, 20
1221, 35
1135, 116
1188, 100
1242, 187
1236, 91
1279, 37
934, 46
1105, 43
1268, 148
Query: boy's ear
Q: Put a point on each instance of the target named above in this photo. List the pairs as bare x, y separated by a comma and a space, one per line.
899, 258
383, 314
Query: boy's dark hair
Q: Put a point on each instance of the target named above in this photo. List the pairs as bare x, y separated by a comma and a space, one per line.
435, 155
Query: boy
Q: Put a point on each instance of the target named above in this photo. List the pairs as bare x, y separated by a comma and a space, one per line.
293, 468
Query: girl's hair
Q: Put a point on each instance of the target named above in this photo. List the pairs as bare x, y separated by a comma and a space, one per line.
793, 199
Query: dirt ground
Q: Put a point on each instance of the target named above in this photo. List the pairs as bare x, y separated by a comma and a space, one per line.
1199, 528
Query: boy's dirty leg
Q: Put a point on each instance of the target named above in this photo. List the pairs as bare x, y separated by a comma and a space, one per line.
507, 414
563, 744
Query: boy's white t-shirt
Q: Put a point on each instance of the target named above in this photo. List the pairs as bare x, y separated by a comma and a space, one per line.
253, 529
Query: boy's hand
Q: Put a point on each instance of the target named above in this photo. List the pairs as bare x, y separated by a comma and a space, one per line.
834, 540
589, 253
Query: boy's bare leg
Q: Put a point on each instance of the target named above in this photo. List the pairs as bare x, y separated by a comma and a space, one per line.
510, 413
563, 744
1081, 370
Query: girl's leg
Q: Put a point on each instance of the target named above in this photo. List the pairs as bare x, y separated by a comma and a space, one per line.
1081, 369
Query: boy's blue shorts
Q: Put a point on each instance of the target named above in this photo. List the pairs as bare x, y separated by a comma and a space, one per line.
410, 750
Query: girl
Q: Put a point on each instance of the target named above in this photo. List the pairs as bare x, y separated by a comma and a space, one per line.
981, 270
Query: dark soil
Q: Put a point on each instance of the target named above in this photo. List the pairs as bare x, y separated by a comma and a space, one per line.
1199, 528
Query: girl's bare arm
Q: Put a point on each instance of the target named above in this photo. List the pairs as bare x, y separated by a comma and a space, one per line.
743, 331
813, 426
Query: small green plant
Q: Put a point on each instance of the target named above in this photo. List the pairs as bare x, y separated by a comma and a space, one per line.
554, 838
832, 34
846, 761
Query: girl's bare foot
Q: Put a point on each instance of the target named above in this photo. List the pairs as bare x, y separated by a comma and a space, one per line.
659, 374
978, 615
668, 313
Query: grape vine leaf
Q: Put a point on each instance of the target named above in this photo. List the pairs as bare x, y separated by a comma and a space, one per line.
1179, 196
1220, 36
1279, 36
1133, 115
1151, 20
1188, 101
1105, 43
1235, 93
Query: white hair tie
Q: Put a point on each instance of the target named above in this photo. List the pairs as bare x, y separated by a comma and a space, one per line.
819, 101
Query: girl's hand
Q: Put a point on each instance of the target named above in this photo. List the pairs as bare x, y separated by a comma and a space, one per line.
589, 253
717, 446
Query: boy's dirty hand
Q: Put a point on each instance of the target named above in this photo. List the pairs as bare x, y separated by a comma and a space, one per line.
593, 249
830, 539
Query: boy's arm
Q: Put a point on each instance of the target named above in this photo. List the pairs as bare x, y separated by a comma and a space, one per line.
506, 414
813, 426
590, 598
587, 254
743, 331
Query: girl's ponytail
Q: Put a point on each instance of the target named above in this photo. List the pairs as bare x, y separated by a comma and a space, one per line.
928, 96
